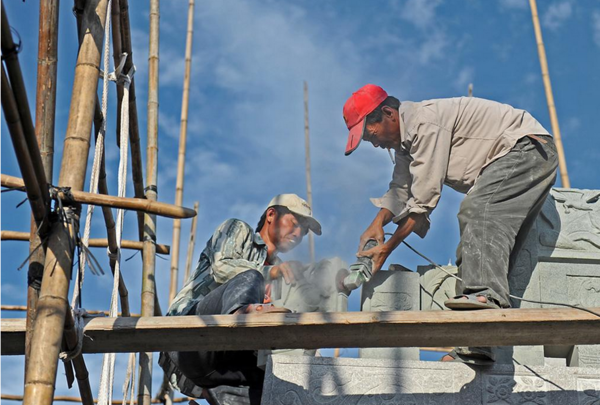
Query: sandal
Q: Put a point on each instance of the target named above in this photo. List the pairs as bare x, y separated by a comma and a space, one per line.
471, 302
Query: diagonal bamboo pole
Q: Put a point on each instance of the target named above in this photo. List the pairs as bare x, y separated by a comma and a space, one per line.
11, 60
311, 236
562, 163
149, 252
134, 137
44, 129
181, 158
15, 128
52, 304
192, 243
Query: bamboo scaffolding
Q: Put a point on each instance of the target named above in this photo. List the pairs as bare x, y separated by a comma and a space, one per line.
562, 163
44, 131
63, 398
21, 308
135, 204
192, 243
503, 327
52, 303
81, 372
134, 137
181, 155
311, 236
11, 61
97, 242
149, 251
13, 121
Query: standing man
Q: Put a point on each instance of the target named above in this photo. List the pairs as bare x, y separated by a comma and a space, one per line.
500, 156
232, 273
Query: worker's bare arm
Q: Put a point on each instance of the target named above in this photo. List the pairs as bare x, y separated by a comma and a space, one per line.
375, 230
380, 253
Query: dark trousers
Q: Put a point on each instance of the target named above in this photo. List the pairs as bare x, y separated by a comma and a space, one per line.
497, 214
235, 368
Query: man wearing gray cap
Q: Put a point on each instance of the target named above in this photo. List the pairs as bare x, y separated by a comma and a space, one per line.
233, 277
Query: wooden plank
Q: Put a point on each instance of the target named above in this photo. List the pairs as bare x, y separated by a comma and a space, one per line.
135, 204
505, 327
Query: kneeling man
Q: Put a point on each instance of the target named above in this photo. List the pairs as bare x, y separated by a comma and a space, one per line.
232, 277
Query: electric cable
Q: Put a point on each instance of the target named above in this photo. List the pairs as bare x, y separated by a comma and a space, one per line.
510, 295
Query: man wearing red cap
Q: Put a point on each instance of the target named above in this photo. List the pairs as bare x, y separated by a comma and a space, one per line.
500, 156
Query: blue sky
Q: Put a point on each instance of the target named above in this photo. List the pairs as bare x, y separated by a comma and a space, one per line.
246, 122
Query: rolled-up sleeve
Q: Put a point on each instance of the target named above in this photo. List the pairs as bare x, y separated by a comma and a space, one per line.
231, 245
430, 151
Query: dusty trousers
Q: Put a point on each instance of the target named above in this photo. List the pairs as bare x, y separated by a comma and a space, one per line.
208, 369
497, 214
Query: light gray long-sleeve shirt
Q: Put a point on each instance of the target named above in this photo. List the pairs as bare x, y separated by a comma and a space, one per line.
449, 141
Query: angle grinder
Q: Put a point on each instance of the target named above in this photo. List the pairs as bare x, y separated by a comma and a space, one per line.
361, 271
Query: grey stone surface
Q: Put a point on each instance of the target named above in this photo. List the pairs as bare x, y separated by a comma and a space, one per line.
305, 381
391, 290
559, 262
317, 292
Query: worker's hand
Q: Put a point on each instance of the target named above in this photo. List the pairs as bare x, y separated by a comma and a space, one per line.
291, 271
374, 231
378, 255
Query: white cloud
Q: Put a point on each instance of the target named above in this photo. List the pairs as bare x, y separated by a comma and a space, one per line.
596, 26
464, 77
557, 14
419, 12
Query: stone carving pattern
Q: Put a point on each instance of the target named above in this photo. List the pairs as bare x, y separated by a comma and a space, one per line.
517, 390
327, 387
588, 391
570, 219
584, 291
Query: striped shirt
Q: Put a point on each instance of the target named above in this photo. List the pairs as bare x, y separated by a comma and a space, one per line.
233, 249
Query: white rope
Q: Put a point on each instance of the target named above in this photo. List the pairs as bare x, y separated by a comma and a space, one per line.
108, 363
98, 152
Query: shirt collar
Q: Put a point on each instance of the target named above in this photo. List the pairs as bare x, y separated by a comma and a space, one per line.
401, 111
258, 239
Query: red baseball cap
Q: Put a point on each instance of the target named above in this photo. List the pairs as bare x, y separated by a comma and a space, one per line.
359, 105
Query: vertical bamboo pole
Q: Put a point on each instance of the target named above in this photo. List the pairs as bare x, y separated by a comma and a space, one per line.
181, 156
311, 236
191, 244
149, 251
137, 173
52, 304
562, 163
44, 128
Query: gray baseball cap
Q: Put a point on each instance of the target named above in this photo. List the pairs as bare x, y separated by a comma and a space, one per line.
299, 207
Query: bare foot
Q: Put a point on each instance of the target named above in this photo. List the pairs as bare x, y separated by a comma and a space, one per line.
447, 358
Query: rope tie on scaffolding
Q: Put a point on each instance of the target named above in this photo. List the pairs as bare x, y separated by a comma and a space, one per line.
78, 315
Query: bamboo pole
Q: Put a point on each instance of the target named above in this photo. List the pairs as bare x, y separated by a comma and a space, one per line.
97, 242
63, 398
181, 157
21, 308
191, 244
52, 304
11, 60
311, 236
134, 137
44, 131
562, 163
136, 204
13, 121
149, 252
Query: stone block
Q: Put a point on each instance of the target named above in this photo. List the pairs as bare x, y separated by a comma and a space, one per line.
306, 381
391, 290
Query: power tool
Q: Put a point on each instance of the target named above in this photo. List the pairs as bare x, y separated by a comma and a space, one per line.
361, 271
